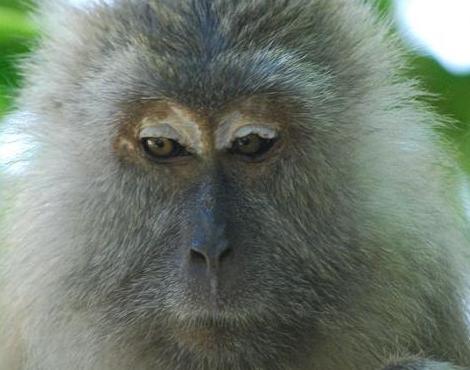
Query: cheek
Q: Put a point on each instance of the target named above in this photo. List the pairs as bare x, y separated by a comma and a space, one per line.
293, 212
130, 234
291, 254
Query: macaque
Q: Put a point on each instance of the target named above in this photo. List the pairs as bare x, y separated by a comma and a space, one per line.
229, 185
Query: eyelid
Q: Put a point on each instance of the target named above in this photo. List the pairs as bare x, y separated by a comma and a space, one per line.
264, 131
166, 131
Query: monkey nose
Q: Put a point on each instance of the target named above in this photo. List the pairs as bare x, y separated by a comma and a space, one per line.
211, 255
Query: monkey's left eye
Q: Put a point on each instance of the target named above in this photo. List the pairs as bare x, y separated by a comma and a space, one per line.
252, 146
163, 149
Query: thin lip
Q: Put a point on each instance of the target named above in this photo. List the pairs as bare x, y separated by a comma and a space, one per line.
234, 320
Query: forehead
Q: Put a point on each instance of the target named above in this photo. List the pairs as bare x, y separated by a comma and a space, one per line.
257, 108
198, 58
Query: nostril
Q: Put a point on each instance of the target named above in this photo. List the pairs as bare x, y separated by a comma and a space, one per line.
226, 253
198, 257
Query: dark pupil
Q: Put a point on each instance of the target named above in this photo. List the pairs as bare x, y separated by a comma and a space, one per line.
252, 145
159, 142
163, 148
245, 141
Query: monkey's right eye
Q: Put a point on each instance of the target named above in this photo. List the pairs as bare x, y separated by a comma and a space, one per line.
163, 149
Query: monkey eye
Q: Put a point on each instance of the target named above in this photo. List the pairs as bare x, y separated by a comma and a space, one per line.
163, 149
252, 146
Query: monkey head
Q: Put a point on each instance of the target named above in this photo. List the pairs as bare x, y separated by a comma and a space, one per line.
197, 162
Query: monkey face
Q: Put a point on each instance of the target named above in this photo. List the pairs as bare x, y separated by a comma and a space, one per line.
203, 206
198, 227
211, 165
221, 184
215, 228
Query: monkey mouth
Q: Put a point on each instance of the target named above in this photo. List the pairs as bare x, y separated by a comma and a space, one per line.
210, 332
210, 338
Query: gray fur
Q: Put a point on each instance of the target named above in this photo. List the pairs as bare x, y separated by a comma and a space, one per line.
351, 253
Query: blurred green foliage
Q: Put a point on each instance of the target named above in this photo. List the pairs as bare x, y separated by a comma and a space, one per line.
17, 35
453, 100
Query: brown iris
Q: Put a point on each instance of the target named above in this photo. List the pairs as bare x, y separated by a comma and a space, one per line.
160, 148
251, 146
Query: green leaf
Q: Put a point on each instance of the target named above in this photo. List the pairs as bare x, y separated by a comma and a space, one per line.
15, 23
